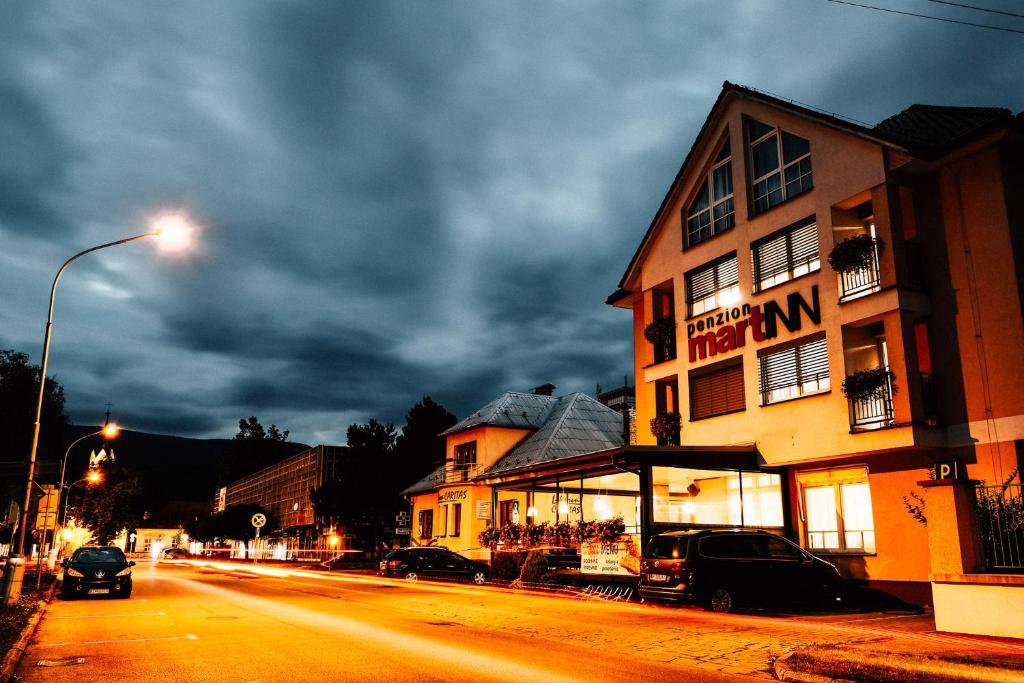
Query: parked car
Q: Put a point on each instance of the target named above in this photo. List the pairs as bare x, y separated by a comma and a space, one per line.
721, 569
173, 554
97, 570
432, 562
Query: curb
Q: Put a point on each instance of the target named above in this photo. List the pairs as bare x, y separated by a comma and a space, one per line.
17, 651
784, 673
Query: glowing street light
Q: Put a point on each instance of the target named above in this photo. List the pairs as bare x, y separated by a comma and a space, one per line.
94, 477
174, 233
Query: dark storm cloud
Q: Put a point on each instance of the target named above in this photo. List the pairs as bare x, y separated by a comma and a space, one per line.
397, 199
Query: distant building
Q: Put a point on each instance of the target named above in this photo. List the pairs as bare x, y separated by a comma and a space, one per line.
622, 400
283, 489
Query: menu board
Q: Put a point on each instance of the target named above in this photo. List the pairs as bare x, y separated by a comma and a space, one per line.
621, 558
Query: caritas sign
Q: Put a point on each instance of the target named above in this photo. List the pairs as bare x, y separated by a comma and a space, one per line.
621, 558
726, 330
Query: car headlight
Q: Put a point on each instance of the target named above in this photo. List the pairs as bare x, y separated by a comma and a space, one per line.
127, 571
74, 572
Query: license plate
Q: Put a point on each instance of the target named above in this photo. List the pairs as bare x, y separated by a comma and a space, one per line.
98, 591
657, 577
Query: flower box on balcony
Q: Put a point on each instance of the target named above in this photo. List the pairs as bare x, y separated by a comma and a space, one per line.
856, 253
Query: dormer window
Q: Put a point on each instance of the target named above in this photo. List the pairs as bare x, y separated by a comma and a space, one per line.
780, 165
712, 211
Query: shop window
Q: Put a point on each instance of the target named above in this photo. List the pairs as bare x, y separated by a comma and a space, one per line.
426, 524
712, 285
456, 519
793, 371
715, 498
508, 512
712, 210
837, 510
780, 165
786, 255
718, 391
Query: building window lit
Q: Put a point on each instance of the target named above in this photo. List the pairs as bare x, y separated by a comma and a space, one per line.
780, 165
456, 519
794, 370
837, 507
712, 211
715, 498
786, 255
717, 391
712, 285
426, 524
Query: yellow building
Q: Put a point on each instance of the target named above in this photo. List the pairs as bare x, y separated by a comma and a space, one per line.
796, 252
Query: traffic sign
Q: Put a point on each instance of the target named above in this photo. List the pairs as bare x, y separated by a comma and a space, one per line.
259, 519
402, 518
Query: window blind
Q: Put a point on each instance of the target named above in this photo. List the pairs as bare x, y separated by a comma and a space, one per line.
717, 392
706, 280
793, 367
785, 252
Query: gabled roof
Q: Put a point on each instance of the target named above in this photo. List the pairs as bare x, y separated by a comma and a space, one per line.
926, 129
921, 130
426, 483
511, 409
577, 424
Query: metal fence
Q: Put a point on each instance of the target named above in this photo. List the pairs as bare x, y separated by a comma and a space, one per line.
859, 282
872, 412
1001, 519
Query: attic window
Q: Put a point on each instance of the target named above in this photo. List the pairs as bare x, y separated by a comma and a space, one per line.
712, 210
780, 165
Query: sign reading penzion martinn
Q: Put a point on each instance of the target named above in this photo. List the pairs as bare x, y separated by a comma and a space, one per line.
726, 330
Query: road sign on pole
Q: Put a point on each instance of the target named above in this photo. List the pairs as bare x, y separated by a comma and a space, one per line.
259, 519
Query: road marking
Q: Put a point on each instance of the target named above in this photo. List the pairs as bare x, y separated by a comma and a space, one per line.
61, 662
101, 616
188, 636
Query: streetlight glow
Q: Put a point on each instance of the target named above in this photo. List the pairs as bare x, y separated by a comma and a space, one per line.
111, 431
94, 476
173, 232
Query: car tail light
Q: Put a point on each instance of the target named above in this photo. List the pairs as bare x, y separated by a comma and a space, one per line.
394, 564
677, 566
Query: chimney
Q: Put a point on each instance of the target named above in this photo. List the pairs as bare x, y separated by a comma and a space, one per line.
543, 390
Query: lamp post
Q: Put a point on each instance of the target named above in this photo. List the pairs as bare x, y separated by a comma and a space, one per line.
173, 232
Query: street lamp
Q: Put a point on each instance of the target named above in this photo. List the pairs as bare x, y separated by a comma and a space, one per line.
174, 233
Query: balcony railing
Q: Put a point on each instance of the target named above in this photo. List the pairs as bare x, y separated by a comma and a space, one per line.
455, 472
860, 282
873, 412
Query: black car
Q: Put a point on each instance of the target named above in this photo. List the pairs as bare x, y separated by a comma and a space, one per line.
97, 570
432, 562
721, 569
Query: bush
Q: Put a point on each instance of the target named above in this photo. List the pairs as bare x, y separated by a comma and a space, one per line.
512, 534
506, 566
535, 566
868, 384
665, 427
855, 253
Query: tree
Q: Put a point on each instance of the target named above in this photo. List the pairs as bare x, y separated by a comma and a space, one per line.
19, 387
420, 449
115, 504
252, 449
234, 523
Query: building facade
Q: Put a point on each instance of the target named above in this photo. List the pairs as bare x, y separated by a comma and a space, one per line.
845, 302
283, 489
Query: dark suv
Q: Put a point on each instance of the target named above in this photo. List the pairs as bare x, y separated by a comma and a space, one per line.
432, 562
97, 570
721, 569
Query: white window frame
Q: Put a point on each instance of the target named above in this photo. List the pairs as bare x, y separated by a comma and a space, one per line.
794, 269
780, 170
819, 540
727, 218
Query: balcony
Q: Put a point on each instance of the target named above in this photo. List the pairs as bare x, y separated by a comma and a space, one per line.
862, 281
457, 472
874, 411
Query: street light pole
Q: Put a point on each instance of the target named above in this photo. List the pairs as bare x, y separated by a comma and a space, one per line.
175, 231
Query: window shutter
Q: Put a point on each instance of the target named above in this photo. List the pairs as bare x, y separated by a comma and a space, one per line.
793, 366
771, 257
805, 244
700, 284
717, 392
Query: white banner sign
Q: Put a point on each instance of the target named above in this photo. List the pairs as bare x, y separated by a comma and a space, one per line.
621, 558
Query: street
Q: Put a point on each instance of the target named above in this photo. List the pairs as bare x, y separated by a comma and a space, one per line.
240, 623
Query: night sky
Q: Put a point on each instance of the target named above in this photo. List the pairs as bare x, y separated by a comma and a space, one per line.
395, 199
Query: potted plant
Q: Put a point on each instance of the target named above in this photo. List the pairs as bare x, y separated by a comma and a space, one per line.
868, 384
512, 534
662, 335
535, 533
855, 253
489, 537
609, 530
665, 428
559, 534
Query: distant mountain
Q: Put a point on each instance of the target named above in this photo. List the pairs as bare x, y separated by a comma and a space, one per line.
173, 468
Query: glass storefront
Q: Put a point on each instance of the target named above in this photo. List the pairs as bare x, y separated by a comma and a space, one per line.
698, 497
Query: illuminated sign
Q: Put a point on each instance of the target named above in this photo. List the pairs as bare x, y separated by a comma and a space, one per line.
726, 330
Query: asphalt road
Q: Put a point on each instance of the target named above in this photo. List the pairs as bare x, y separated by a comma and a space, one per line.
185, 623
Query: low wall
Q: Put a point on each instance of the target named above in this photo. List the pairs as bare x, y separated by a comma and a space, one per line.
981, 604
